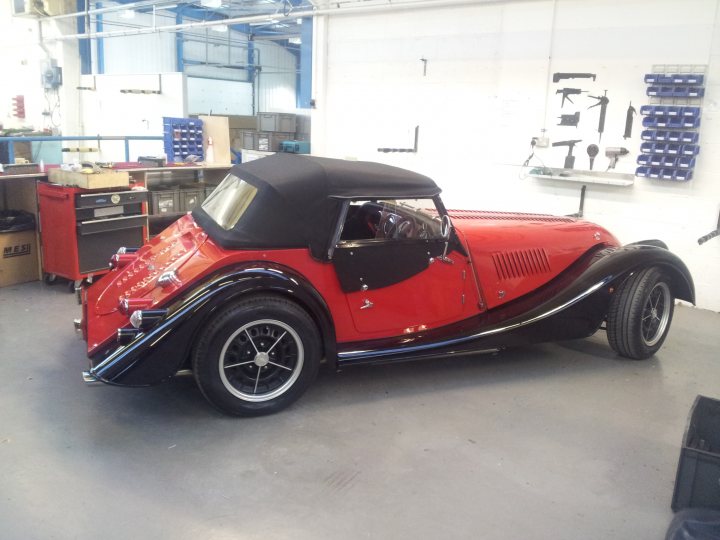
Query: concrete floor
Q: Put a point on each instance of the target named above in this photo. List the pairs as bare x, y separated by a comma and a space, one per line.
559, 441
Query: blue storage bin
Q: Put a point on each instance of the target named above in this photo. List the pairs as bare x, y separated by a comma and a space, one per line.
689, 137
673, 149
642, 171
674, 136
666, 91
654, 172
667, 174
690, 150
685, 162
182, 137
643, 159
691, 123
647, 148
656, 159
695, 91
680, 91
675, 122
673, 110
669, 161
650, 121
690, 111
647, 110
651, 78
653, 91
647, 135
661, 135
683, 175
695, 78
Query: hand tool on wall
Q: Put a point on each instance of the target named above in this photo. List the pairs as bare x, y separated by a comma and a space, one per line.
569, 119
614, 153
567, 92
629, 121
569, 159
414, 149
557, 77
711, 235
592, 151
602, 102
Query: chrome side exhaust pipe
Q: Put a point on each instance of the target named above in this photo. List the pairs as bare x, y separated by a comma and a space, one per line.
89, 378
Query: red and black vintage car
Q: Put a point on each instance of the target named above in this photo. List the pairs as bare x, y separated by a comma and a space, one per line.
295, 260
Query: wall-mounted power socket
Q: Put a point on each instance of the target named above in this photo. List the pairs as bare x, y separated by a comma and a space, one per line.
542, 142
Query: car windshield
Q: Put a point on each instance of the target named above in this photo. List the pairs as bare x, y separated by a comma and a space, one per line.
229, 201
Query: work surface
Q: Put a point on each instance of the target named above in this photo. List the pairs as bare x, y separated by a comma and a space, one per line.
560, 441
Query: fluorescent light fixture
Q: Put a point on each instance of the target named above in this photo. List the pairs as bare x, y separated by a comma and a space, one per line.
299, 21
127, 14
211, 3
219, 28
169, 6
295, 41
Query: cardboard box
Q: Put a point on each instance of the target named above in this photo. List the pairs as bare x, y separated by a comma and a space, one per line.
108, 179
18, 257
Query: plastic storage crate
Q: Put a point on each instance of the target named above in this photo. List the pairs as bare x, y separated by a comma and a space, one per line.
164, 201
191, 196
277, 122
182, 137
697, 483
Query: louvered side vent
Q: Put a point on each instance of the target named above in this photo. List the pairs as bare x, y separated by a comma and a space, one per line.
516, 264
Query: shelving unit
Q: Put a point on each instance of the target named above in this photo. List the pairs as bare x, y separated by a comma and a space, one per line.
671, 121
585, 177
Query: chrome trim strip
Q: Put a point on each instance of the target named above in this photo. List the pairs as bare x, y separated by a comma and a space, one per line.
112, 219
350, 355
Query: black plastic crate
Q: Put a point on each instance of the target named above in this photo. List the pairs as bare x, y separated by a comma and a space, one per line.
698, 476
164, 201
191, 196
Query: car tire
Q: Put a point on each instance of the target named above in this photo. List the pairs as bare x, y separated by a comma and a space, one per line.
257, 356
640, 314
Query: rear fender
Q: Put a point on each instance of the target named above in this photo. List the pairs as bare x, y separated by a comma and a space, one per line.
159, 353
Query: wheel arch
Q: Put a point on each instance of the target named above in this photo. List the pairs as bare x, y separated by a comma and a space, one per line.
633, 258
275, 280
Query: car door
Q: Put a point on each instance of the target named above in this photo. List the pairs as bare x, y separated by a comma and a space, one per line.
389, 261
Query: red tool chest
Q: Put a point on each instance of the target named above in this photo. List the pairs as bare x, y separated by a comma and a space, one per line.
81, 229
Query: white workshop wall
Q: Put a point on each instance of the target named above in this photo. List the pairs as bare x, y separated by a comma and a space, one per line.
486, 93
108, 111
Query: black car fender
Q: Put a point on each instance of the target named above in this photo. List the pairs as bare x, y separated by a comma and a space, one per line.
157, 354
631, 258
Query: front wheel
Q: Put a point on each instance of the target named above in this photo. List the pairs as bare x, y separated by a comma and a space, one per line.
640, 314
257, 356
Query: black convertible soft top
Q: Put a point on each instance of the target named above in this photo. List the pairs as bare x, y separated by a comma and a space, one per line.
300, 197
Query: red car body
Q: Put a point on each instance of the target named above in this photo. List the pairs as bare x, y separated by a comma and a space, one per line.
493, 280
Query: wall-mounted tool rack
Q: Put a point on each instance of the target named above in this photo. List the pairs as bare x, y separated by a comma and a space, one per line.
671, 121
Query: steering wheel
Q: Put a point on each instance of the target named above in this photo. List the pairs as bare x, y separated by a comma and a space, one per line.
387, 227
405, 228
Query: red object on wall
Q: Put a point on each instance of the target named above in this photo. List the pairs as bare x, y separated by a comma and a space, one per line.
19, 106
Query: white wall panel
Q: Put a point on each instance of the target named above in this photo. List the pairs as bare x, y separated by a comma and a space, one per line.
277, 81
485, 94
209, 96
146, 53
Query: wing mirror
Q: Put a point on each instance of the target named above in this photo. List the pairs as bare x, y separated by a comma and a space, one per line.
445, 229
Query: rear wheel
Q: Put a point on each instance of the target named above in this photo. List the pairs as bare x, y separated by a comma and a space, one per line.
640, 314
257, 356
